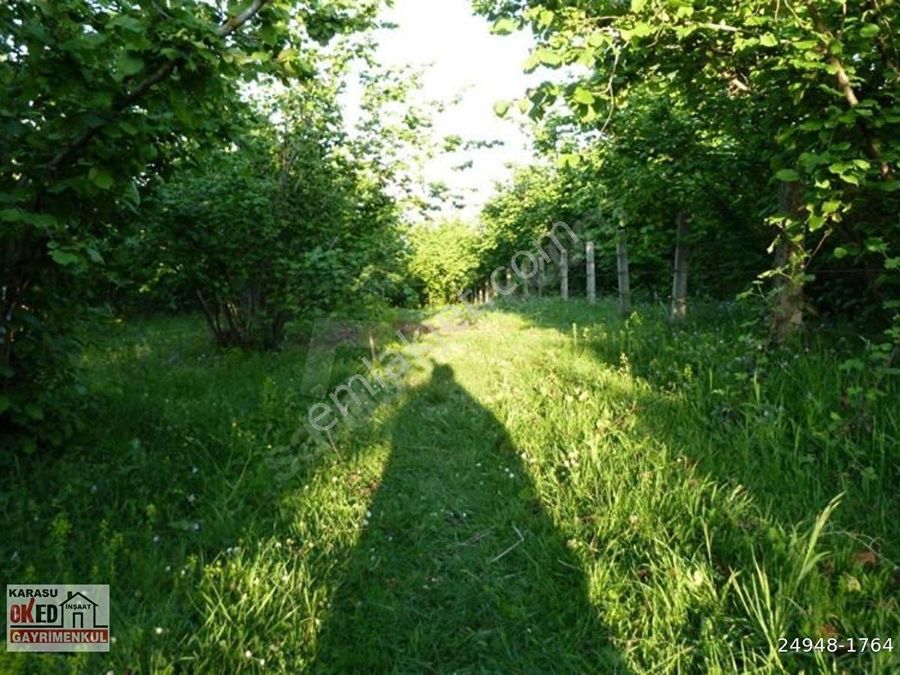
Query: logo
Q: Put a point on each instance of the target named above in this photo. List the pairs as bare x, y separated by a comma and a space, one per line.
57, 618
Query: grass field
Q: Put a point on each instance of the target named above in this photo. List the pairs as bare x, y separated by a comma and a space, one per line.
555, 490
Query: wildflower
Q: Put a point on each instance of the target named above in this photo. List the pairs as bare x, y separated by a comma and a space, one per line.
248, 654
158, 630
192, 498
195, 470
155, 538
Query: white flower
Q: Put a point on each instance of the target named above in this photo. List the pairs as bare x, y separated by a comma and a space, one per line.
248, 654
158, 630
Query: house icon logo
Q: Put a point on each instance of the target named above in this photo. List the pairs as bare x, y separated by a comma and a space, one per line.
57, 618
79, 611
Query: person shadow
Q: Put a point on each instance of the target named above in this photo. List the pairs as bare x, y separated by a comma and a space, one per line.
459, 568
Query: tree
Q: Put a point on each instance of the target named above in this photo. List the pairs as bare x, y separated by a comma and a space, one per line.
813, 84
92, 90
444, 259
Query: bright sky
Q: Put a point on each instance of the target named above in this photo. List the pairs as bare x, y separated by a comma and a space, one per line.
466, 60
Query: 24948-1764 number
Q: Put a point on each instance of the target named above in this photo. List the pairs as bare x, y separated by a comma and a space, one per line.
834, 645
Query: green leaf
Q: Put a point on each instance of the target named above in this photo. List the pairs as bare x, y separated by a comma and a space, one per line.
101, 178
876, 245
815, 222
548, 57
768, 40
501, 108
869, 30
638, 5
840, 252
642, 29
505, 26
129, 65
61, 257
583, 96
787, 176
41, 220
4, 403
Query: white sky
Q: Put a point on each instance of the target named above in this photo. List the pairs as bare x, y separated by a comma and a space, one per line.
465, 60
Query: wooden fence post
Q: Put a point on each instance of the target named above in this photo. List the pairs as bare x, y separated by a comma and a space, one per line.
622, 265
591, 278
564, 274
540, 276
682, 262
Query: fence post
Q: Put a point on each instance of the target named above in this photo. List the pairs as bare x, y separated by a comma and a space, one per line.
591, 278
682, 263
622, 266
564, 274
540, 276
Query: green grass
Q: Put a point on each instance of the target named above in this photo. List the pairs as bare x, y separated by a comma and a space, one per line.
557, 490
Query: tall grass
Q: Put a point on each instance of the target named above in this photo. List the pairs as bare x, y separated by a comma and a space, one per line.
558, 489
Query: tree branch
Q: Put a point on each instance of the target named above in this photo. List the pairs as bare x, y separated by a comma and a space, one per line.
843, 80
161, 73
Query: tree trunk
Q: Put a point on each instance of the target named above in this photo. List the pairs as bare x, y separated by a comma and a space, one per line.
564, 274
790, 266
682, 262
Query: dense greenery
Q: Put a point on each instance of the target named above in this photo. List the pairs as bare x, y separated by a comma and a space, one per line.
700, 110
445, 260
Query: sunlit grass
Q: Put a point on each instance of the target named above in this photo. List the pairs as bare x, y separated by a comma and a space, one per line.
560, 490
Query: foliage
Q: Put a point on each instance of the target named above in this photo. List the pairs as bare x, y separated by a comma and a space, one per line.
285, 223
444, 259
97, 94
803, 93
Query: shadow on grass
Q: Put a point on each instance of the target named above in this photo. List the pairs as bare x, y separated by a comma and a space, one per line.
459, 568
762, 418
760, 424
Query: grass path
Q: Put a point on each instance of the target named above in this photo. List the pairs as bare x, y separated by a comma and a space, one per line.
555, 491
